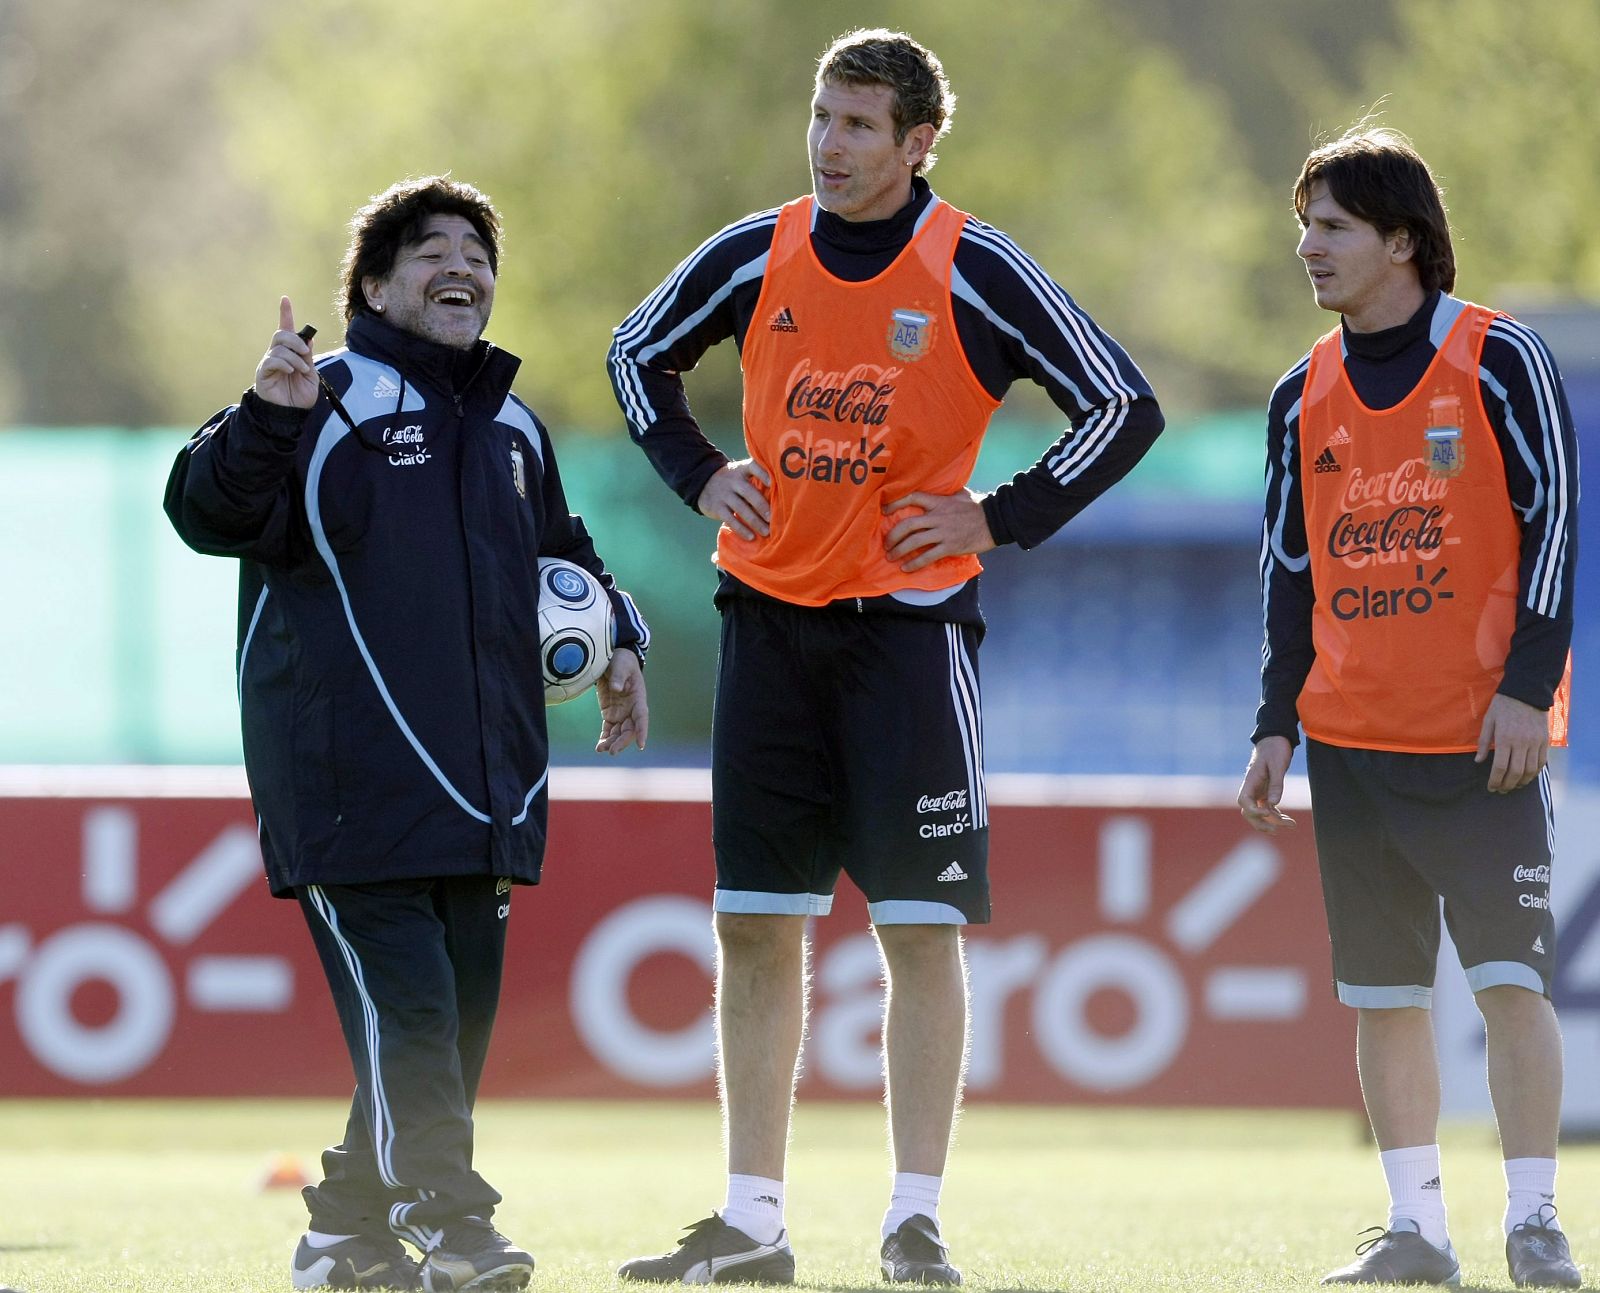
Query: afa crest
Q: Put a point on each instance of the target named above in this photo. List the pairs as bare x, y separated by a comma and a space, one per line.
519, 470
1444, 452
910, 334
1445, 455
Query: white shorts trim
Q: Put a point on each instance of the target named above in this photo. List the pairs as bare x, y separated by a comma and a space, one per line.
755, 903
1367, 997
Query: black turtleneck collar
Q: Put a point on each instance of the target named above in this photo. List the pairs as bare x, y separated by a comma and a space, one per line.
866, 237
1389, 342
449, 369
1386, 366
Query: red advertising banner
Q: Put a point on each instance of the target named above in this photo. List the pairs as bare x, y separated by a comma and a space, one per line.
1144, 950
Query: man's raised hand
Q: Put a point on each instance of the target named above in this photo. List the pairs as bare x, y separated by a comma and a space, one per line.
286, 375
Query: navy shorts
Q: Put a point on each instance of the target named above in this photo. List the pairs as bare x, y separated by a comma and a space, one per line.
848, 742
1396, 833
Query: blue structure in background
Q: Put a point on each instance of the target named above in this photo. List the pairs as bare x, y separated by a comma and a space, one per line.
1573, 334
1583, 390
1129, 643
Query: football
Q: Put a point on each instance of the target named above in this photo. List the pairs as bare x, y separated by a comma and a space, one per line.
576, 629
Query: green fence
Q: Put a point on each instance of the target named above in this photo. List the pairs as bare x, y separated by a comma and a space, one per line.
118, 641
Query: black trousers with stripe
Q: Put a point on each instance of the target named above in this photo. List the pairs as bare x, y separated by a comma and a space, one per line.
414, 966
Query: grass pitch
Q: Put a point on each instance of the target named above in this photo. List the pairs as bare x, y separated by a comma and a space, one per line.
141, 1195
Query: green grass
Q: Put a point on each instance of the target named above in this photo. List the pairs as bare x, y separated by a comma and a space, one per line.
131, 1195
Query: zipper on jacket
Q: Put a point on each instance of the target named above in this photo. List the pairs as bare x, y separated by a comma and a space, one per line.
859, 610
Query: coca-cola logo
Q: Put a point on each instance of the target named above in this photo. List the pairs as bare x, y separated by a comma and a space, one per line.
860, 396
1531, 875
1404, 530
950, 802
1408, 484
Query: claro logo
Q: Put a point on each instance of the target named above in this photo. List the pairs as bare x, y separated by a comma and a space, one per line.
1022, 982
1374, 602
149, 976
832, 462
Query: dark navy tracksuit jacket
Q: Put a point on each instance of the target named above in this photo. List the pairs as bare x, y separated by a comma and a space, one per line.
394, 729
389, 681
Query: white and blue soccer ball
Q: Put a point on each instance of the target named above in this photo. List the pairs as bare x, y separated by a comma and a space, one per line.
577, 630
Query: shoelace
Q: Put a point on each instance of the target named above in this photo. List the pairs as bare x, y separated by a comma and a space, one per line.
706, 1226
1538, 1221
1545, 1242
470, 1237
1363, 1248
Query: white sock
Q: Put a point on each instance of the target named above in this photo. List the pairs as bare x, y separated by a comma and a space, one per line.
1416, 1193
755, 1206
912, 1193
1531, 1192
316, 1239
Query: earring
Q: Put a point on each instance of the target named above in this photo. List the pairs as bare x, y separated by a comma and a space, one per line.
378, 308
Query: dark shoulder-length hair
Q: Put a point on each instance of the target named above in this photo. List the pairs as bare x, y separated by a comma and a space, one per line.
1375, 174
395, 218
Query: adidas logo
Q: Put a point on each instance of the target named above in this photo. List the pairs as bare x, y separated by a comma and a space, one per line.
1432, 1185
385, 389
1538, 945
783, 321
1340, 436
953, 872
1327, 462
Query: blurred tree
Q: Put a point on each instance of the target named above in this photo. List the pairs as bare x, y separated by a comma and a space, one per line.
615, 138
1122, 174
107, 156
1504, 102
18, 71
1269, 61
166, 170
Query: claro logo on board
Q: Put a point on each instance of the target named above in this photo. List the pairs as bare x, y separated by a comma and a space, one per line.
1056, 982
131, 970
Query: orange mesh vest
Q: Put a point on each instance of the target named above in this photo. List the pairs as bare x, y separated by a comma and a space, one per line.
1414, 551
854, 394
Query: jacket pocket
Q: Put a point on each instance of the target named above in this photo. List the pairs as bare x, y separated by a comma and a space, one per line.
318, 791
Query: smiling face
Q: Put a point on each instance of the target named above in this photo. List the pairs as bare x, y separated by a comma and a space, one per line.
1365, 275
858, 171
441, 286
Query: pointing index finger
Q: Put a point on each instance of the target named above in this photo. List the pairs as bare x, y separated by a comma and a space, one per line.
285, 315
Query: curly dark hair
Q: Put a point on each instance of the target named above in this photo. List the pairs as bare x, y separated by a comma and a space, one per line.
395, 218
878, 56
1375, 174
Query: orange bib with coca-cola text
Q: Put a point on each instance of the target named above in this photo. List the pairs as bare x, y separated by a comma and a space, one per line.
1414, 551
855, 394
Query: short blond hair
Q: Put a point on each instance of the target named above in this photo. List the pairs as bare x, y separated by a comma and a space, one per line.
878, 56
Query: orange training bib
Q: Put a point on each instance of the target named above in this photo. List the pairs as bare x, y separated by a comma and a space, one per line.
855, 394
1414, 551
